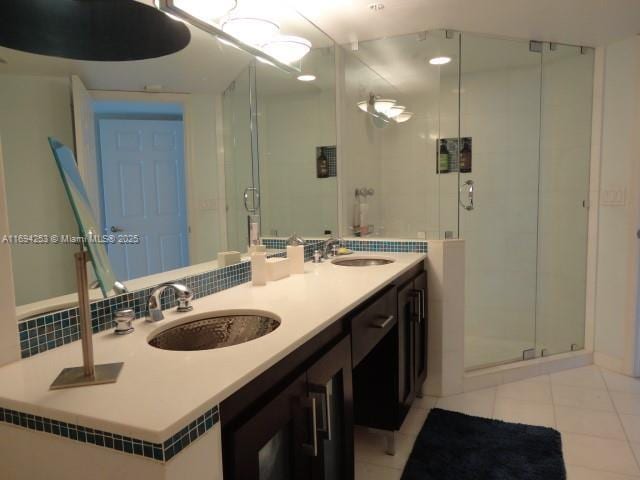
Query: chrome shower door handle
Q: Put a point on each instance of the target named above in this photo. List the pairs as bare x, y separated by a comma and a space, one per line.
468, 186
255, 203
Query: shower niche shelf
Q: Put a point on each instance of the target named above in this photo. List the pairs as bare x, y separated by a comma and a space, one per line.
454, 155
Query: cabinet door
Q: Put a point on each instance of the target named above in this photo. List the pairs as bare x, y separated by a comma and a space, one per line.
330, 391
271, 444
421, 330
406, 344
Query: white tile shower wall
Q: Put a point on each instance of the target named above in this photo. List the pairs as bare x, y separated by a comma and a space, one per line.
291, 126
362, 145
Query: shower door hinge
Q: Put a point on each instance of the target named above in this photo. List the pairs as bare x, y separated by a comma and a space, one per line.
450, 34
535, 46
529, 354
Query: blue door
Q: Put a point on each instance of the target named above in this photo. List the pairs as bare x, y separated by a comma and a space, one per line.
144, 194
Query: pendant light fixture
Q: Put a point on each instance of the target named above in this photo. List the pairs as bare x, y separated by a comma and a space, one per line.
243, 24
99, 30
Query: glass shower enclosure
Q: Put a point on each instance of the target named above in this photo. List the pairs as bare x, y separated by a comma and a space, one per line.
497, 153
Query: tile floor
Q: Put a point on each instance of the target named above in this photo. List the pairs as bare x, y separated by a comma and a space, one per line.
596, 411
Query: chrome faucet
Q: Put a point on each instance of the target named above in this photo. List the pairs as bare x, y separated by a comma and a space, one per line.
331, 244
184, 294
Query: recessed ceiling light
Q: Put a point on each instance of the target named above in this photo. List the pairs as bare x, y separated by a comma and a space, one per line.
204, 10
306, 78
252, 31
287, 48
440, 60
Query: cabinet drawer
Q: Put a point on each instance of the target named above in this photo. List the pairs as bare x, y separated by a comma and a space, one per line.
370, 325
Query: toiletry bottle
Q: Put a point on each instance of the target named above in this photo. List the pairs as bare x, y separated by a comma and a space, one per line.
356, 215
443, 157
465, 157
322, 165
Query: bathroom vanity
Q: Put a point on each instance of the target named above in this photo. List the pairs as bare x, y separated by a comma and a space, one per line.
178, 413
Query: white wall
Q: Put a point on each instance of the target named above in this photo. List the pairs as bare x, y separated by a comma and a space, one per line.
616, 294
207, 235
8, 326
33, 108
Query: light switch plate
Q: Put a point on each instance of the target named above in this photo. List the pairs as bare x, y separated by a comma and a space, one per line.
613, 197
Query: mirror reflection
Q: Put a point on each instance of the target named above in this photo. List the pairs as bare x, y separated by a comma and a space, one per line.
177, 151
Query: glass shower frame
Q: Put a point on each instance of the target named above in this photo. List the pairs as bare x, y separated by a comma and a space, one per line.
525, 110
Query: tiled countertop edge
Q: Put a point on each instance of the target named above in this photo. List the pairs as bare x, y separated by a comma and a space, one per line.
161, 452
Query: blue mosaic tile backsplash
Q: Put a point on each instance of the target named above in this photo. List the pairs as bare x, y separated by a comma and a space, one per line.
39, 334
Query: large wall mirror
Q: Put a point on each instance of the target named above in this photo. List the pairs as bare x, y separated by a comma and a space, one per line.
177, 150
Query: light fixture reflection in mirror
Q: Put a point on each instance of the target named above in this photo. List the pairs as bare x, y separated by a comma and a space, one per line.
252, 31
383, 105
384, 110
306, 78
404, 117
395, 111
206, 10
287, 48
440, 60
244, 24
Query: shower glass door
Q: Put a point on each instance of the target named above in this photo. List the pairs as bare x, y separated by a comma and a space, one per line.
567, 93
499, 158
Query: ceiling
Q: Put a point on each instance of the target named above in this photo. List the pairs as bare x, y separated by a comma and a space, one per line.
204, 66
577, 22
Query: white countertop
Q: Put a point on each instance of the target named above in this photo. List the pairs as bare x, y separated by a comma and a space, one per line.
161, 391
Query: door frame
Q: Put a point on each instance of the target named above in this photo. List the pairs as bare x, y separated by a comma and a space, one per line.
182, 99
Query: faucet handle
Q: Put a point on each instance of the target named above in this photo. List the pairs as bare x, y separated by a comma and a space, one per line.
123, 319
184, 303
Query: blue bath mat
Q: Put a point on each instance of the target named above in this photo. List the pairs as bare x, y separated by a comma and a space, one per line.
454, 446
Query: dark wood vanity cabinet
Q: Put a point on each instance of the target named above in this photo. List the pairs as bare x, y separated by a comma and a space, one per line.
295, 421
388, 379
303, 429
413, 334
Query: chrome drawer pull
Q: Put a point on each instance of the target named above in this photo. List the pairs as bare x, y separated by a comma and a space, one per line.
312, 448
382, 323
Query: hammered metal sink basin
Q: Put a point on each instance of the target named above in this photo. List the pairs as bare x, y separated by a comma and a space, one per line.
361, 262
214, 332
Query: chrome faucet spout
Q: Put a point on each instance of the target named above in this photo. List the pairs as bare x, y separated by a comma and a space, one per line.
184, 294
331, 243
